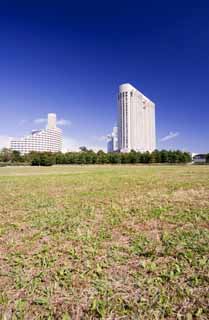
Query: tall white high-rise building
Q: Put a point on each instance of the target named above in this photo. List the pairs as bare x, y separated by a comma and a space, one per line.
136, 120
46, 140
109, 143
52, 121
112, 142
115, 138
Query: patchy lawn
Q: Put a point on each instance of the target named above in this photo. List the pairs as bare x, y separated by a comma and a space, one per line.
111, 242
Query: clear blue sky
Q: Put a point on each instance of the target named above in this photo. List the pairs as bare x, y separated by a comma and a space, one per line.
69, 57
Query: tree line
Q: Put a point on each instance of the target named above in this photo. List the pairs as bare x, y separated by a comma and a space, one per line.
86, 156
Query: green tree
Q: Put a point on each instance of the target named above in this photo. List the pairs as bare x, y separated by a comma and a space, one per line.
132, 157
155, 157
16, 156
102, 157
81, 158
35, 159
139, 157
60, 158
90, 157
6, 155
47, 159
163, 156
145, 157
125, 158
172, 156
114, 157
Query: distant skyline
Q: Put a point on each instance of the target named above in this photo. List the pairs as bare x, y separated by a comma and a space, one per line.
70, 58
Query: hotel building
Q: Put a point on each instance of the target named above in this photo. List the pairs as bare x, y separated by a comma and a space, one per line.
46, 140
136, 120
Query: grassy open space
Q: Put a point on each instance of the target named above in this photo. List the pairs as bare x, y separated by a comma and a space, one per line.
110, 242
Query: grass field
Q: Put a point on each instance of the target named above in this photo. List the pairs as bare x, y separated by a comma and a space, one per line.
111, 242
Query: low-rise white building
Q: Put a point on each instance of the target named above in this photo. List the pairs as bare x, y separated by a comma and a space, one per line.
46, 140
199, 158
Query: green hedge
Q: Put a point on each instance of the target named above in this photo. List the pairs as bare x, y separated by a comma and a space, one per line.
8, 157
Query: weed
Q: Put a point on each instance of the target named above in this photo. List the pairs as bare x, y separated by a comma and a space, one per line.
104, 242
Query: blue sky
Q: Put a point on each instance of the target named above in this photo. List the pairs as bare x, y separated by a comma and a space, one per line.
70, 57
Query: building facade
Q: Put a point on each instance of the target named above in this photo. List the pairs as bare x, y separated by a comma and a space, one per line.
46, 140
109, 143
136, 120
199, 158
112, 142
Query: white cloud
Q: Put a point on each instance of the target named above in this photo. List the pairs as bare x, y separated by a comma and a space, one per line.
101, 138
64, 122
5, 141
40, 120
170, 136
60, 122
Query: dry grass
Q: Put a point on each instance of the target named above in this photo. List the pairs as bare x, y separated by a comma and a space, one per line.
111, 242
